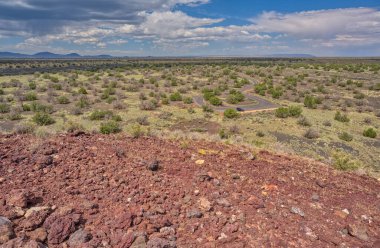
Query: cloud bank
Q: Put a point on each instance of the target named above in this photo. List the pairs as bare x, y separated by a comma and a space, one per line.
118, 23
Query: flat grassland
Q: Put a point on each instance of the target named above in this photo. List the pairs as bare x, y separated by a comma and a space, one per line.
325, 109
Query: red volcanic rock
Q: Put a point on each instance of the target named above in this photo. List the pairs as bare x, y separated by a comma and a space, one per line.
60, 229
102, 193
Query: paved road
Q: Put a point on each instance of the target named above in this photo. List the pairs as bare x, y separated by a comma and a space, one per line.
259, 105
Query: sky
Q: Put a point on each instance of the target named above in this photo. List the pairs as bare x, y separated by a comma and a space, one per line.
191, 27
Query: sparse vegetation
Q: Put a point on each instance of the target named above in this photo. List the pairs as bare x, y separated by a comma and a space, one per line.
324, 100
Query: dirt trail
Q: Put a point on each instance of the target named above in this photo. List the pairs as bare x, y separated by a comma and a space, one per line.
112, 191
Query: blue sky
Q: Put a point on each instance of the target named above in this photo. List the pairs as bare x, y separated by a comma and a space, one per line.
191, 27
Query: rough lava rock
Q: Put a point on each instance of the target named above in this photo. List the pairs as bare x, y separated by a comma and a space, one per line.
6, 230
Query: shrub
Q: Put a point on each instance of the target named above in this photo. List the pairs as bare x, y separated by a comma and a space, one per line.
24, 129
119, 105
82, 91
26, 107
4, 108
14, 115
370, 133
63, 100
260, 134
165, 101
148, 105
43, 119
342, 161
100, 115
116, 118
143, 120
32, 85
311, 134
176, 97
1, 92
30, 96
137, 131
74, 126
207, 109
231, 113
327, 123
295, 111
223, 134
282, 112
39, 107
341, 117
345, 136
188, 100
110, 127
235, 97
310, 102
216, 101
303, 121
83, 102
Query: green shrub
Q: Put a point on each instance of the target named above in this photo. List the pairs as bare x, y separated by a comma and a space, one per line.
216, 101
26, 107
207, 109
30, 96
100, 115
137, 131
1, 92
83, 102
32, 85
235, 97
38, 107
82, 91
342, 161
231, 113
310, 102
108, 92
370, 133
4, 108
176, 97
223, 134
63, 100
295, 111
282, 112
116, 118
165, 101
345, 136
43, 119
188, 100
260, 134
110, 127
276, 92
341, 117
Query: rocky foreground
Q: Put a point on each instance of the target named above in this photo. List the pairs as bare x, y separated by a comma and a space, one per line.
85, 190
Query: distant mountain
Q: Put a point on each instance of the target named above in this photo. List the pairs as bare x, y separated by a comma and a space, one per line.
301, 55
49, 55
11, 55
